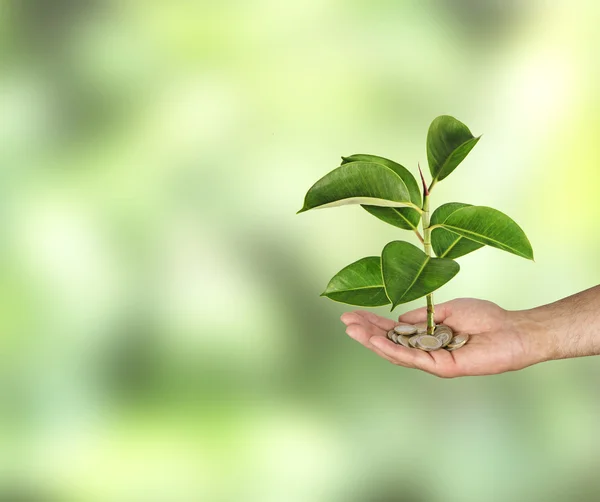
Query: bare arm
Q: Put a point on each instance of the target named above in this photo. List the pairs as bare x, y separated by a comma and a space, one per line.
501, 340
571, 326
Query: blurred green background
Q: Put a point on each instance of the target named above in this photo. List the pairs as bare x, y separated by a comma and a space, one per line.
162, 337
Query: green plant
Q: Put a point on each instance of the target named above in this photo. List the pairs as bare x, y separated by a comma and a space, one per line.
389, 191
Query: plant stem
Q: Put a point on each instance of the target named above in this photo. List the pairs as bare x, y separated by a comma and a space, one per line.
420, 237
427, 247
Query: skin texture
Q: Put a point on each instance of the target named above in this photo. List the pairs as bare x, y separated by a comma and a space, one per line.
501, 340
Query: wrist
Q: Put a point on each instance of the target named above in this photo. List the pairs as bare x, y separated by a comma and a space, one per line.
536, 335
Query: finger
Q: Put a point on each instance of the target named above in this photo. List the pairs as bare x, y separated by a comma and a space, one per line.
381, 322
359, 333
349, 317
419, 315
414, 316
355, 318
411, 358
445, 364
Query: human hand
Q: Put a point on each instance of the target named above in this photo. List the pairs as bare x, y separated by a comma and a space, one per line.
500, 341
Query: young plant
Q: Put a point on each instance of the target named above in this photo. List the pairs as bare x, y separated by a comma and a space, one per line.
389, 192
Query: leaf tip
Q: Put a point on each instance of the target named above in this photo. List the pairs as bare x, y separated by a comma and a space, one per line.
302, 210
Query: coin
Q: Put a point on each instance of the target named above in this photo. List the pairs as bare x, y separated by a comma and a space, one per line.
389, 334
404, 340
442, 328
413, 340
395, 337
405, 329
458, 341
421, 327
428, 342
443, 337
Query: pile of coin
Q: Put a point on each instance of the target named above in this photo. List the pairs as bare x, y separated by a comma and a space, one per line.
415, 336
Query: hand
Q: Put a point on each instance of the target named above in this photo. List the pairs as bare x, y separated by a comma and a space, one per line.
500, 340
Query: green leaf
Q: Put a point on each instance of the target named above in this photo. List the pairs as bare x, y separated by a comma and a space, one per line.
360, 283
447, 244
490, 227
408, 273
401, 217
358, 183
449, 141
404, 217
405, 174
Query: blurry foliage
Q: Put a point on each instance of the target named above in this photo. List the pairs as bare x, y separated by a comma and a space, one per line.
162, 333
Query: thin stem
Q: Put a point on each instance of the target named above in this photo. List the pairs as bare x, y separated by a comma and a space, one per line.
419, 235
427, 248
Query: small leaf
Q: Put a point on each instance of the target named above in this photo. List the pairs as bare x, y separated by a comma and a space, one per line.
447, 244
403, 217
408, 273
490, 227
358, 183
360, 283
449, 141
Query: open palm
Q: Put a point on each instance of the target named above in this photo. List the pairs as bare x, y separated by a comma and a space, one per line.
500, 340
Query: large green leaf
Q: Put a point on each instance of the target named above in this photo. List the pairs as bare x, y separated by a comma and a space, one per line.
449, 141
405, 174
408, 273
402, 217
360, 283
358, 183
447, 244
490, 227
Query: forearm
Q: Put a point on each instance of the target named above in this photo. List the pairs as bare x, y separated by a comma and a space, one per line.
567, 328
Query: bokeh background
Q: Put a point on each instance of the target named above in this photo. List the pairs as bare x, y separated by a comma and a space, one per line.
162, 337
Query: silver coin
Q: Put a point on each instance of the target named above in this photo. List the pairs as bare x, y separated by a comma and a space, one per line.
413, 340
458, 341
395, 337
442, 328
389, 334
443, 337
421, 327
405, 329
404, 340
461, 338
428, 342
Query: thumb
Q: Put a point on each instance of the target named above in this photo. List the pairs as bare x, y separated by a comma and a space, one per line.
414, 316
420, 315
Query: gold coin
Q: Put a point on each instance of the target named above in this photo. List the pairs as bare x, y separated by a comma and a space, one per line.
389, 334
405, 329
429, 342
395, 337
